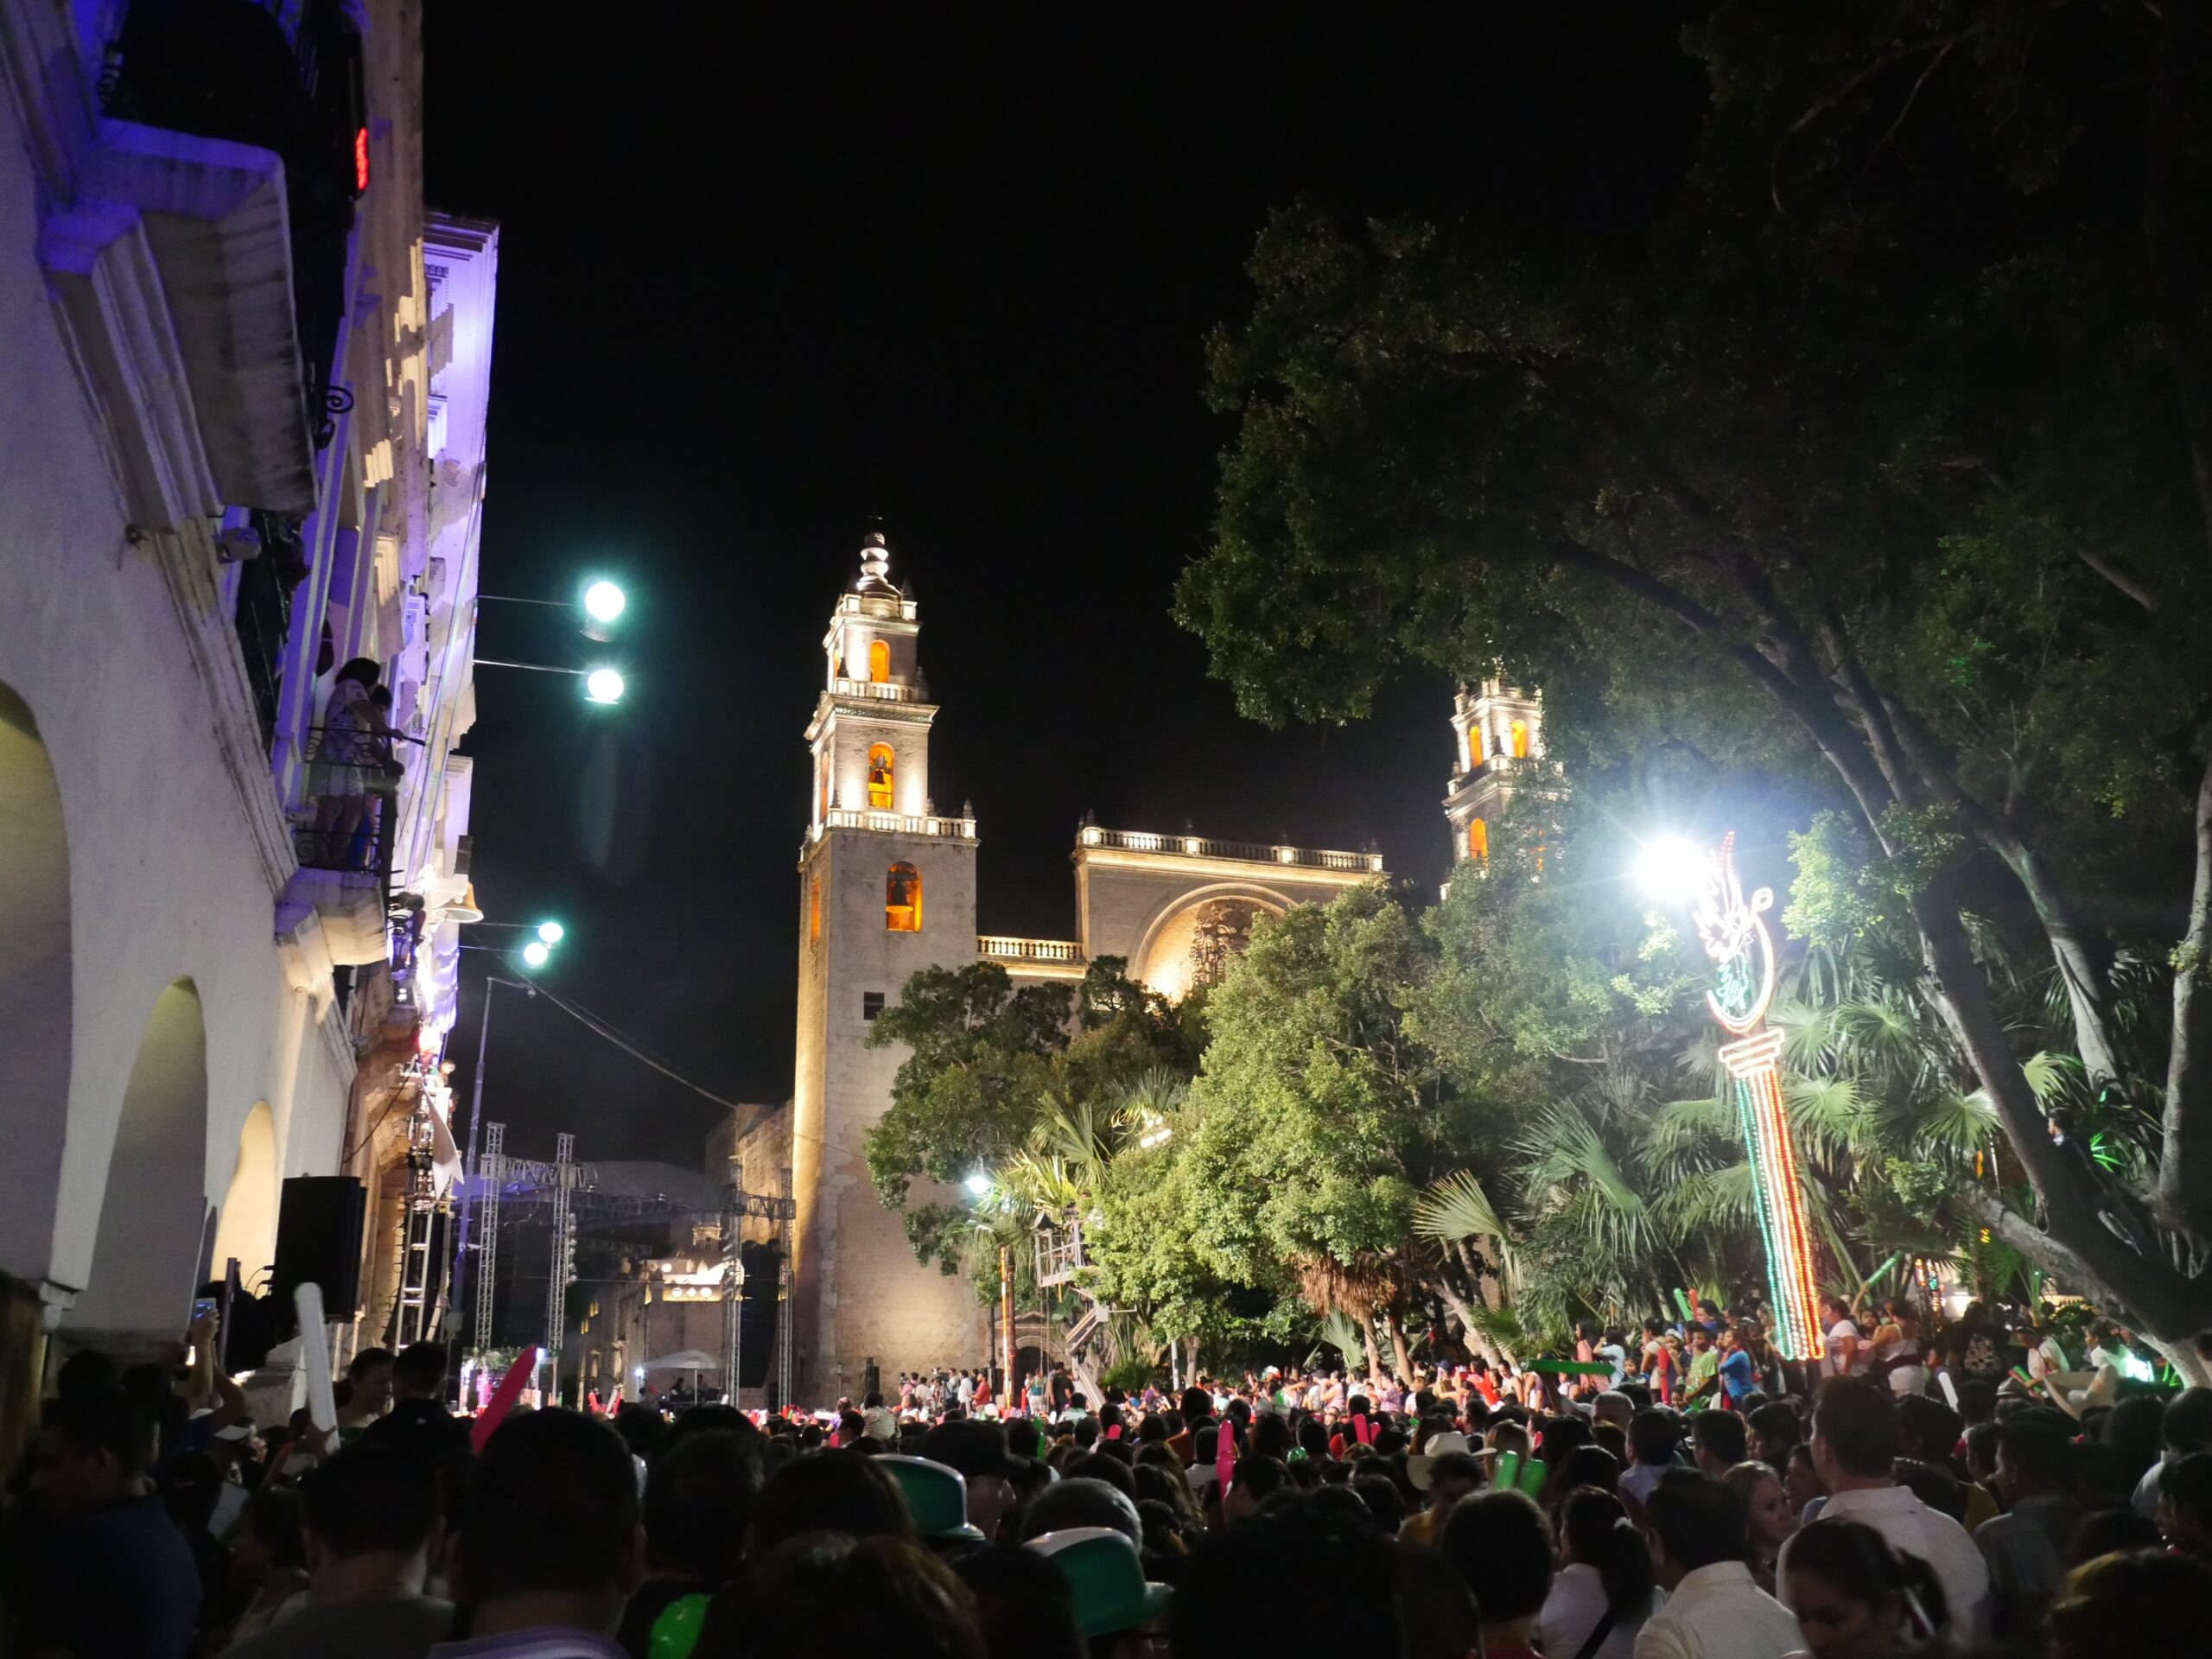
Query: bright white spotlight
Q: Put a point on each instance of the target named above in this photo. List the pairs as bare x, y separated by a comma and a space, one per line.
551, 932
537, 953
603, 685
1670, 869
603, 602
977, 1185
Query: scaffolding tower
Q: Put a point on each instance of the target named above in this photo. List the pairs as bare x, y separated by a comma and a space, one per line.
488, 1176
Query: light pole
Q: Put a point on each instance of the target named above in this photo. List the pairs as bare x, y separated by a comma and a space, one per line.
547, 935
1733, 931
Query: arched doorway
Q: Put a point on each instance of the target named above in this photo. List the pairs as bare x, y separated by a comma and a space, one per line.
247, 1227
154, 1209
36, 1013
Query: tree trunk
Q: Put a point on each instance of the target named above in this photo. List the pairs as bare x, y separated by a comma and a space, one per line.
1367, 1341
2185, 1189
1399, 1351
2074, 1242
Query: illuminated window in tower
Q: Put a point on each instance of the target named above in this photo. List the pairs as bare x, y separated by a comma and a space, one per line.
814, 909
1520, 740
1474, 746
1478, 840
878, 775
902, 899
879, 661
821, 777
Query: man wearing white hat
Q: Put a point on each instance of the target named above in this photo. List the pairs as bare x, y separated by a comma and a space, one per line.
1446, 1471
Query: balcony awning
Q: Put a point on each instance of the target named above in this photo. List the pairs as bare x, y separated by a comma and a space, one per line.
215, 217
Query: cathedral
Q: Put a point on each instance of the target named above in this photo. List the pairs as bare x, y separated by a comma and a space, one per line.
888, 887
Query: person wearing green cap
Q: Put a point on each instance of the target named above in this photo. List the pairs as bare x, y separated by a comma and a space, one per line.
1116, 1609
936, 1497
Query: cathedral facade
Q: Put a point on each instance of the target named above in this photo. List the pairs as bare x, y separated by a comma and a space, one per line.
888, 887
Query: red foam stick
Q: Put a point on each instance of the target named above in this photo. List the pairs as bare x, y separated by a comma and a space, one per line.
1224, 1455
503, 1397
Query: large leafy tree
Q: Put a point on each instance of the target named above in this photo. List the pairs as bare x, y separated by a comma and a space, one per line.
1885, 457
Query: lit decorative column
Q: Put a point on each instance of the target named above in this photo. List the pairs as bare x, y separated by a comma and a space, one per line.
1736, 937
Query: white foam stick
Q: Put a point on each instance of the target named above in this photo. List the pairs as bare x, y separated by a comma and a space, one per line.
314, 1355
1950, 1389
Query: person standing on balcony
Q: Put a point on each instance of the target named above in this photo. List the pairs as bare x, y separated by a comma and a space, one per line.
344, 760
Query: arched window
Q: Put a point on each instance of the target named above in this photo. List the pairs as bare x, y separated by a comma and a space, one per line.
902, 899
1520, 740
879, 661
822, 778
814, 909
878, 775
1478, 840
1474, 747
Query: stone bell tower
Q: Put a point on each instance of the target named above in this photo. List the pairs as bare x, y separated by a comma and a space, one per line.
887, 887
1499, 730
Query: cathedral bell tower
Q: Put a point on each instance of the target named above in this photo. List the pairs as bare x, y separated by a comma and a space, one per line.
887, 889
1499, 729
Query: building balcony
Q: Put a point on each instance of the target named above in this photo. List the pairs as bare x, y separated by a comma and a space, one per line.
345, 872
1242, 851
883, 605
998, 948
877, 690
895, 823
219, 183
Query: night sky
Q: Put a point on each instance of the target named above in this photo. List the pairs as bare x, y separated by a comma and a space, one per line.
758, 292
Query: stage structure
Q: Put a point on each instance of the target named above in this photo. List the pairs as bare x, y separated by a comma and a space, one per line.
1735, 934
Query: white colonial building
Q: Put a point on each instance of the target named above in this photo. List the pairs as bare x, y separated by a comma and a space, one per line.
243, 377
887, 888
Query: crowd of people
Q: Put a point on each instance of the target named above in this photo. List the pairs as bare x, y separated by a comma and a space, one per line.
1683, 1494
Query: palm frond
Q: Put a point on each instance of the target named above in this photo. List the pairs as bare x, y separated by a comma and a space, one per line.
1341, 1332
1456, 1207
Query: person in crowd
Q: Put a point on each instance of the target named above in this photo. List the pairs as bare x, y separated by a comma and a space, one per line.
878, 1422
1802, 1480
1697, 1533
1604, 1590
1292, 1579
1025, 1608
1078, 1501
1855, 1597
2185, 1430
368, 1378
978, 1451
1855, 1445
1118, 1612
1501, 1544
1443, 1475
370, 1522
2185, 1504
1843, 1355
1768, 1516
418, 1418
1775, 1428
698, 1506
1899, 1352
831, 1490
2025, 1547
1719, 1441
112, 1575
833, 1595
1435, 1608
1652, 1434
2145, 1603
549, 1547
269, 1563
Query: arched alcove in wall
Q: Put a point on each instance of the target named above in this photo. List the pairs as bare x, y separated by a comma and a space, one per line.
37, 1013
1191, 937
153, 1208
247, 1227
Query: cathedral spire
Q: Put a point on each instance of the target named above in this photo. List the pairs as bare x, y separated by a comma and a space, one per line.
876, 565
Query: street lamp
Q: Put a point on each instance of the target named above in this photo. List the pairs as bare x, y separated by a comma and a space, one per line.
1670, 870
551, 932
537, 952
602, 686
977, 1185
604, 601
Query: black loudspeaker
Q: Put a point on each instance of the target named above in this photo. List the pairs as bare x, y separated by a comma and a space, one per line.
756, 1357
319, 1243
